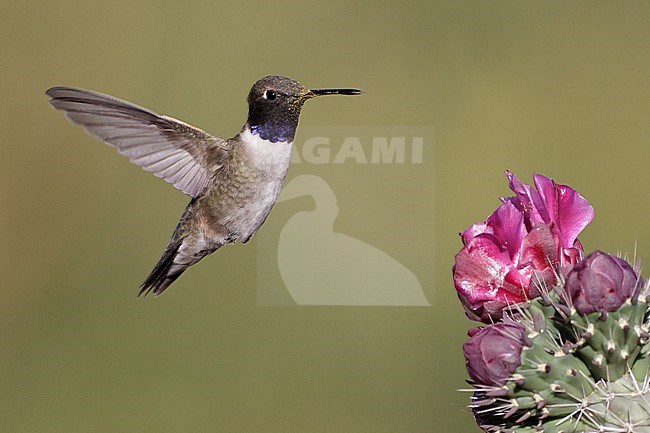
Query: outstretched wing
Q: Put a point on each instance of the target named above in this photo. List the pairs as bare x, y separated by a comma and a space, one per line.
181, 154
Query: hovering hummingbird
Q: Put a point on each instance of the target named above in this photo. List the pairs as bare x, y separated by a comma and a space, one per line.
233, 183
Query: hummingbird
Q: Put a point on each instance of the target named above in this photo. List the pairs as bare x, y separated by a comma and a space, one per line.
233, 182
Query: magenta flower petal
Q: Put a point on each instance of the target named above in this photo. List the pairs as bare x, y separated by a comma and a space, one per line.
524, 200
480, 269
574, 214
482, 275
565, 207
539, 248
474, 230
519, 188
507, 225
544, 197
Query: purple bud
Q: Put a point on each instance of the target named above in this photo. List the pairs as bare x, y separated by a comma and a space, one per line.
494, 353
601, 283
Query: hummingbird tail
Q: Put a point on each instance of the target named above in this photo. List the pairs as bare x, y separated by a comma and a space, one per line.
165, 272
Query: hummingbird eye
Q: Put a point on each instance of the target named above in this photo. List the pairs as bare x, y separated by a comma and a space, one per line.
270, 95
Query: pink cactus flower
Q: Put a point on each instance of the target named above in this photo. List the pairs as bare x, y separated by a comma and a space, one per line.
526, 241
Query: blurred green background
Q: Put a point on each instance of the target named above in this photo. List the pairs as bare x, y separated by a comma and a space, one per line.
560, 88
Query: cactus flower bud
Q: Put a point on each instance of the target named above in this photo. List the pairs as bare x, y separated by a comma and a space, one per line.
493, 353
601, 283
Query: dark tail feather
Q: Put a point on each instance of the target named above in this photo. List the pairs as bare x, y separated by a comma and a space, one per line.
161, 276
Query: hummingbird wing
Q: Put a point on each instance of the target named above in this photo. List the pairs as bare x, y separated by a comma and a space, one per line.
181, 154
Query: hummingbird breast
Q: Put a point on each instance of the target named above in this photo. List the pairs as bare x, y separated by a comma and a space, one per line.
243, 193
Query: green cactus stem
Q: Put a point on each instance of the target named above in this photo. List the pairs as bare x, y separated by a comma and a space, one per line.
578, 373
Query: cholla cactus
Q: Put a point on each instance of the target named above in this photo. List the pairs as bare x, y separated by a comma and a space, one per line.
574, 359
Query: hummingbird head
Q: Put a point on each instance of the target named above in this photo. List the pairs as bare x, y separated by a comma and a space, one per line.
274, 105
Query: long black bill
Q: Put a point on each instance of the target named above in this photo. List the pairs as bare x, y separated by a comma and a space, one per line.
321, 92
